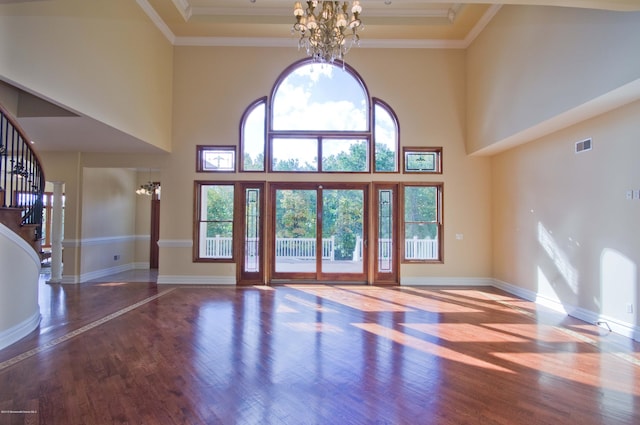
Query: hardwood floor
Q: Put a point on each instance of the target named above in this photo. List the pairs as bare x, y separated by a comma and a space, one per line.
135, 353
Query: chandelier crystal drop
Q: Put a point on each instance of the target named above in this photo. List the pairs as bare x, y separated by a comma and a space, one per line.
327, 30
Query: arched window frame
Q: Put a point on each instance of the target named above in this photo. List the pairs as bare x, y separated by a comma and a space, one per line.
394, 118
367, 134
243, 122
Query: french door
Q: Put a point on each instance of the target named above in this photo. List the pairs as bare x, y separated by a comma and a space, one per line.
318, 232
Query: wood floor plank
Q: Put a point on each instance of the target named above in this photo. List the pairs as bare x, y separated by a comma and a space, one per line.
319, 355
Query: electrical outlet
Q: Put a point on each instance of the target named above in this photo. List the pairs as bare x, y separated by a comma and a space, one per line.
630, 308
459, 236
116, 257
629, 195
636, 194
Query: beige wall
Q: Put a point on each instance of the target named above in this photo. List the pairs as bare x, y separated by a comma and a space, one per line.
213, 86
563, 228
131, 243
532, 64
108, 202
105, 60
109, 213
66, 167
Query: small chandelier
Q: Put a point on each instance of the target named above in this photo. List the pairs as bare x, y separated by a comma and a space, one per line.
149, 188
327, 32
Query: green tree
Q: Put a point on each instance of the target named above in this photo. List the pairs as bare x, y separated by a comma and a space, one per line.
342, 217
420, 211
296, 213
293, 164
219, 200
353, 160
254, 164
385, 158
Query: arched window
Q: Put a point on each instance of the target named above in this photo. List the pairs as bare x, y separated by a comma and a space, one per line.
320, 120
253, 136
386, 135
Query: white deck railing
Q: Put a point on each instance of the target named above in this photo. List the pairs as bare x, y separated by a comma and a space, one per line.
300, 248
305, 248
218, 247
414, 249
420, 249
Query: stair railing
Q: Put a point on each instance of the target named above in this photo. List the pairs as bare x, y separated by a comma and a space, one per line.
22, 180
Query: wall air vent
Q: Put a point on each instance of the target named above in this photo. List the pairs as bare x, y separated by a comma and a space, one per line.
584, 145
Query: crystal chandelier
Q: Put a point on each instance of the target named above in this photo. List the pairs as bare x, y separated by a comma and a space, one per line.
149, 188
327, 32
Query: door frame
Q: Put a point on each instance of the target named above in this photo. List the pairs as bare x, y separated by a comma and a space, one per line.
154, 250
320, 276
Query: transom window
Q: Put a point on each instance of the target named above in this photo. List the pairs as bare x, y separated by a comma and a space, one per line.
321, 120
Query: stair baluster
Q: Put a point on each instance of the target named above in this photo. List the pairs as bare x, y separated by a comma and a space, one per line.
22, 182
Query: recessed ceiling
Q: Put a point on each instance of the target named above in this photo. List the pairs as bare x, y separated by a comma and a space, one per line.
269, 22
387, 23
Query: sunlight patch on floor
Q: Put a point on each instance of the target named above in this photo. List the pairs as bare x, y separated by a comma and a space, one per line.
427, 347
465, 332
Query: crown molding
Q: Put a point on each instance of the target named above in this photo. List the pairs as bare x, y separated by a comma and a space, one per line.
184, 8
293, 42
187, 11
378, 12
236, 41
157, 20
482, 23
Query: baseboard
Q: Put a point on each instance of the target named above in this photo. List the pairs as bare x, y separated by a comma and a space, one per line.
626, 329
20, 330
196, 280
446, 281
97, 274
523, 293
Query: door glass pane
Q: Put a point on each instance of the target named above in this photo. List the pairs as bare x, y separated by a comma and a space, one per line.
342, 231
252, 230
385, 231
296, 231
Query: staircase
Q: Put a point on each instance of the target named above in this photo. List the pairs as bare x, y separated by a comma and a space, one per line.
21, 182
